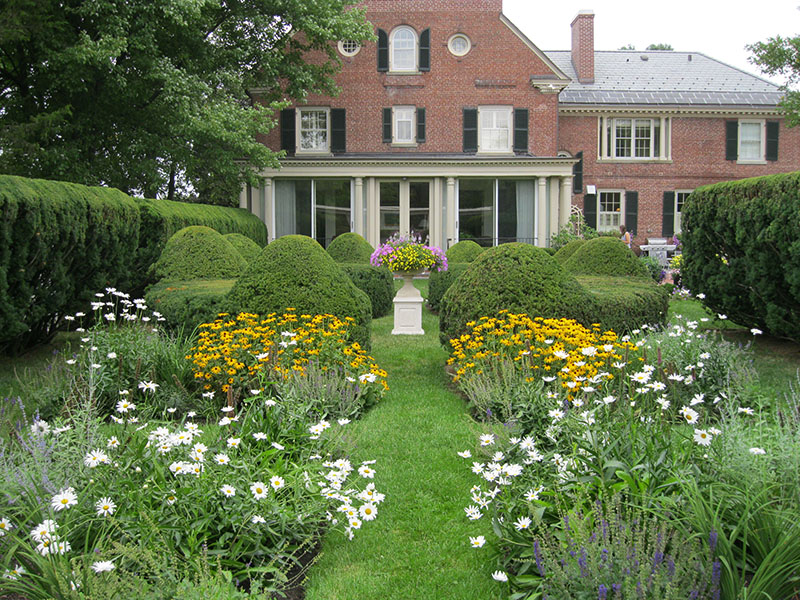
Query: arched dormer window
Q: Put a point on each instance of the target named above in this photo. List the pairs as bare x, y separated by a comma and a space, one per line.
403, 50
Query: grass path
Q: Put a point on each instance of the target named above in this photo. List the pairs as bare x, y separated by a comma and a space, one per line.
418, 548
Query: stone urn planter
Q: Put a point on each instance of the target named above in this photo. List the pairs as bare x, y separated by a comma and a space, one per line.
408, 307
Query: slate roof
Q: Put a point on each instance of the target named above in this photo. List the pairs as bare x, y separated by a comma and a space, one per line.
625, 77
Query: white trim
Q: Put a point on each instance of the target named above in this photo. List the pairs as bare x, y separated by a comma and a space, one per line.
457, 36
761, 160
621, 208
392, 67
345, 52
412, 140
496, 109
607, 148
675, 213
299, 133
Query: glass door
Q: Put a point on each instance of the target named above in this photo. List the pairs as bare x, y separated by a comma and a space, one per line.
405, 208
389, 192
419, 209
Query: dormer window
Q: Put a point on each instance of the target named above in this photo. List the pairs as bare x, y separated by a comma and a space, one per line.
403, 50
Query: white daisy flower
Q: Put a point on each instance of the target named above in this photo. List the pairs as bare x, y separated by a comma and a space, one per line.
105, 507
64, 499
477, 542
228, 491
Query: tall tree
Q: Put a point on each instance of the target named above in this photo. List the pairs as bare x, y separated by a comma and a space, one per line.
780, 56
151, 97
660, 47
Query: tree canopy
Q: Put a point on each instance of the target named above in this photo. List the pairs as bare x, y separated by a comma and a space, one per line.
152, 97
780, 56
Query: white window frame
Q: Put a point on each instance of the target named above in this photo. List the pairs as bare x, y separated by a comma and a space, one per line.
620, 212
274, 217
660, 151
485, 111
400, 67
455, 38
762, 141
397, 113
676, 224
324, 149
349, 47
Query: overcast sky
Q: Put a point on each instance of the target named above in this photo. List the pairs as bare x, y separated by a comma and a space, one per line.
719, 29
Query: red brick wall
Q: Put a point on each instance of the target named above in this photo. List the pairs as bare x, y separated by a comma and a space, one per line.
497, 56
583, 47
698, 158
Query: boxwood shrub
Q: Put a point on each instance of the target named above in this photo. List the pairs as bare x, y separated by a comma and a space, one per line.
246, 247
605, 256
626, 303
294, 271
517, 277
440, 281
59, 243
198, 252
567, 250
186, 304
350, 248
376, 282
464, 251
741, 248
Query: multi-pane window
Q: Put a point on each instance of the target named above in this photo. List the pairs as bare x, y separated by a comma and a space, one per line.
320, 208
750, 136
609, 213
632, 138
403, 50
680, 198
404, 124
494, 129
494, 211
313, 130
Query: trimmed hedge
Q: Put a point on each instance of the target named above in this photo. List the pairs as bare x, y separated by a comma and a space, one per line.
186, 304
605, 256
160, 219
59, 243
741, 248
295, 271
246, 247
565, 252
198, 252
440, 281
377, 283
517, 277
350, 248
626, 303
464, 251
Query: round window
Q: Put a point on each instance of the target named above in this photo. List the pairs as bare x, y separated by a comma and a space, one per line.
349, 47
459, 44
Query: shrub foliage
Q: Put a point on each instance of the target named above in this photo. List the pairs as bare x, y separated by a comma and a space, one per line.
199, 252
187, 304
295, 272
246, 247
464, 251
440, 281
605, 255
741, 248
622, 304
350, 248
377, 283
566, 251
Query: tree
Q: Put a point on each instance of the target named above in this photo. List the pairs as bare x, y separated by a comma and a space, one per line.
152, 97
660, 47
780, 56
628, 47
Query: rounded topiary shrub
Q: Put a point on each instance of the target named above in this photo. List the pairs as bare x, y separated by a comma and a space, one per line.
198, 252
294, 271
376, 282
517, 277
567, 250
605, 256
186, 304
350, 248
464, 251
246, 247
440, 281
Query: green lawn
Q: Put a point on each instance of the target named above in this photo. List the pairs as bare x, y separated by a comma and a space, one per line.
419, 546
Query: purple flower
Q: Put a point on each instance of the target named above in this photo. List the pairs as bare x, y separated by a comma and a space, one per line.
538, 555
712, 540
602, 592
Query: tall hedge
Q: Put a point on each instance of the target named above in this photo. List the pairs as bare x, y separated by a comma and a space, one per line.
741, 248
162, 218
59, 243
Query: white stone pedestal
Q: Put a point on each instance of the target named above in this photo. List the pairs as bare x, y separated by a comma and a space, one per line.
408, 308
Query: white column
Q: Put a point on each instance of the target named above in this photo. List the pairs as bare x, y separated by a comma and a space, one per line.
662, 141
435, 213
266, 205
357, 217
565, 206
243, 197
373, 213
541, 213
452, 217
554, 181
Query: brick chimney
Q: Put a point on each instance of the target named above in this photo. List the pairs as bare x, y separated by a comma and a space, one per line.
583, 46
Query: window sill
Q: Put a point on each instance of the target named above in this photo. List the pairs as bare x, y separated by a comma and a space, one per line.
402, 73
496, 153
313, 153
751, 162
404, 145
635, 161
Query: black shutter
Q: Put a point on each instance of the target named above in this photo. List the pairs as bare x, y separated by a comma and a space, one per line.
387, 125
425, 50
590, 210
577, 174
731, 140
772, 140
470, 130
383, 50
338, 130
668, 215
288, 139
520, 130
632, 212
420, 125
